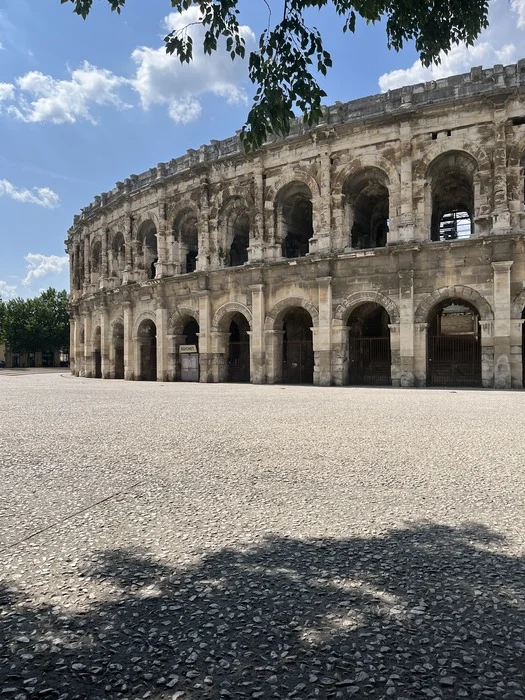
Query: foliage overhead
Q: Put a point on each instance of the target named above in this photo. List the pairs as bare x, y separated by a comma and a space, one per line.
290, 53
41, 323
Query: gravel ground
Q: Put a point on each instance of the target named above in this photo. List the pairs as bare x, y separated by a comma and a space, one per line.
185, 541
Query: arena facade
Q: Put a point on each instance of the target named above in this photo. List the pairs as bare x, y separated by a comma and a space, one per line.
384, 246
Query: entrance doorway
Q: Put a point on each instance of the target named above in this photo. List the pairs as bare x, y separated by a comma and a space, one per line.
454, 345
189, 361
369, 357
239, 350
97, 354
298, 351
118, 347
148, 351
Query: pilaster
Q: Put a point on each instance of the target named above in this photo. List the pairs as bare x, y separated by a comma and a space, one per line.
501, 308
257, 350
322, 336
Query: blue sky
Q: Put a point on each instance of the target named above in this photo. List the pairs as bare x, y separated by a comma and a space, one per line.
85, 104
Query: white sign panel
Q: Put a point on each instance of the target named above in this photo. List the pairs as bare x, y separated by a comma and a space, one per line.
187, 348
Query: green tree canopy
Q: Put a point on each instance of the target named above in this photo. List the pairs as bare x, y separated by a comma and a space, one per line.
41, 323
290, 52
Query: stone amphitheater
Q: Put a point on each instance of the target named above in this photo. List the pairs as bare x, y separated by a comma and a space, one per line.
384, 246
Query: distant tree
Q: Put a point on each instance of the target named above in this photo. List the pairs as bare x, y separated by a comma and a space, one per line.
41, 323
289, 51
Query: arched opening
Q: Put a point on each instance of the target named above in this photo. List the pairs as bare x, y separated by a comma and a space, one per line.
96, 262
189, 359
452, 192
97, 354
369, 357
295, 220
118, 255
239, 349
298, 352
367, 208
454, 345
118, 350
79, 269
186, 232
147, 249
240, 239
147, 338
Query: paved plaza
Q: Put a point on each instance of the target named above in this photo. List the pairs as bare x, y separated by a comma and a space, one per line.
187, 541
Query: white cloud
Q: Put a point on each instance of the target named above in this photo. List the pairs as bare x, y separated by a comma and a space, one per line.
7, 91
43, 196
42, 98
7, 291
39, 265
501, 42
161, 79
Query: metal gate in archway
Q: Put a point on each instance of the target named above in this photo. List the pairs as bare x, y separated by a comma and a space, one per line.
298, 362
369, 361
239, 361
454, 361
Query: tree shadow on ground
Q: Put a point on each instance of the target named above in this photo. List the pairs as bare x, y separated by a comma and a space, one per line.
425, 611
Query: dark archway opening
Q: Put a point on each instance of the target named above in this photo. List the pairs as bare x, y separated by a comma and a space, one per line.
369, 355
189, 361
239, 350
118, 348
370, 226
297, 221
148, 255
148, 351
241, 241
298, 351
97, 351
452, 178
186, 231
118, 255
454, 345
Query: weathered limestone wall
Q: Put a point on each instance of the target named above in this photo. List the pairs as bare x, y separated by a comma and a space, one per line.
457, 144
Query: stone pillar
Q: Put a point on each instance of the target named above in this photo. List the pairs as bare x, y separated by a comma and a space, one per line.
321, 240
402, 227
161, 321
256, 248
257, 354
204, 255
502, 370
395, 353
420, 354
406, 328
273, 226
339, 353
339, 234
174, 364
105, 343
487, 354
127, 275
274, 356
129, 349
73, 345
88, 346
205, 357
104, 266
219, 355
323, 334
516, 353
87, 264
500, 212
